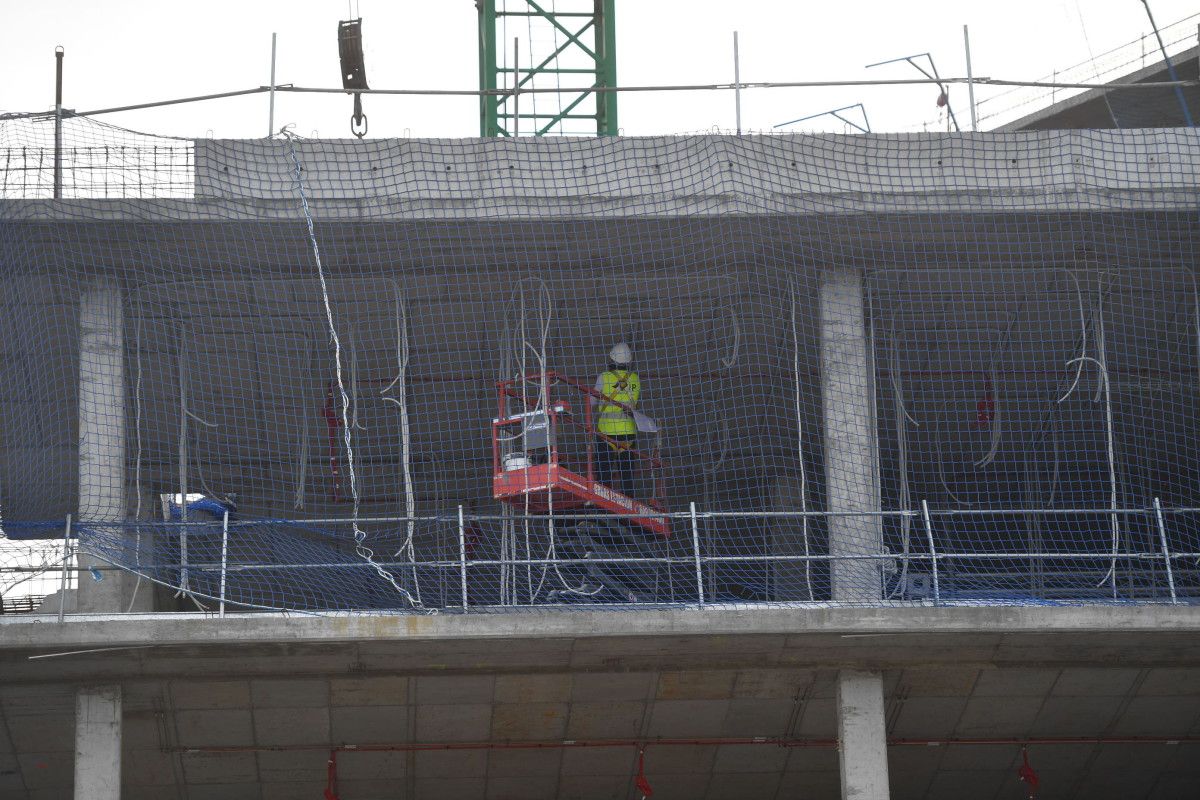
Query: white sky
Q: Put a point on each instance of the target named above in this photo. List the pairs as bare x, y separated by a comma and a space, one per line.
120, 52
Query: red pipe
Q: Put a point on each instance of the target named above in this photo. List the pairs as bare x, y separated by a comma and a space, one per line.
697, 742
329, 412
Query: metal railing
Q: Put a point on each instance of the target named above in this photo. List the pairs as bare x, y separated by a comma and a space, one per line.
689, 571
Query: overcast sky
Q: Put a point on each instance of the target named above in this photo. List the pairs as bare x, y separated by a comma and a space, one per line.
120, 52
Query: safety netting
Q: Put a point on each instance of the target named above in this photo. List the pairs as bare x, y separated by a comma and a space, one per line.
340, 375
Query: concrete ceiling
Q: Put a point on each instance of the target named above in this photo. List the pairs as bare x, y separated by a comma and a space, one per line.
250, 707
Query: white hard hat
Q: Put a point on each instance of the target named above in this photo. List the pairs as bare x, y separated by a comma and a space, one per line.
620, 354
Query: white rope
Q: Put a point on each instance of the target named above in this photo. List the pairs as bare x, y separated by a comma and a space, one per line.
1111, 575
360, 547
800, 444
1082, 337
401, 382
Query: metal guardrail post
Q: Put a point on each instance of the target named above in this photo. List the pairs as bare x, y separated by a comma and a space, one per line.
62, 592
1162, 537
462, 556
933, 556
696, 552
224, 557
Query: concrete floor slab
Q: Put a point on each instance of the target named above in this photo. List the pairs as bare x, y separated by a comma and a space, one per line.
1095, 682
612, 686
680, 760
695, 685
526, 788
1171, 681
742, 785
452, 788
375, 766
41, 733
598, 761
47, 770
529, 721
677, 786
1166, 716
539, 688
1014, 682
451, 764
363, 725
454, 723
593, 787
815, 785
938, 681
1067, 716
977, 757
201, 695
388, 690
757, 717
1116, 785
956, 785
750, 758
680, 718
818, 719
225, 791
291, 726
455, 690
299, 765
998, 716
523, 763
928, 717
142, 731
292, 790
605, 720
290, 694
1174, 786
771, 683
202, 768
151, 767
812, 759
225, 728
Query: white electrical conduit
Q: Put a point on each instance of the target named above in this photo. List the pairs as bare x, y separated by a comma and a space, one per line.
800, 443
401, 383
1082, 337
902, 441
137, 462
731, 360
303, 449
360, 535
1111, 575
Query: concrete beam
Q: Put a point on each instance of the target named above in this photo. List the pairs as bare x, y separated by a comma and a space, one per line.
862, 736
851, 476
98, 743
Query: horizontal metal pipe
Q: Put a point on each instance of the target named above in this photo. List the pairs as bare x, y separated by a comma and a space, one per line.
607, 89
680, 515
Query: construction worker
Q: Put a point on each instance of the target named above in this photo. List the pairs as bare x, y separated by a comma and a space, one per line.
617, 384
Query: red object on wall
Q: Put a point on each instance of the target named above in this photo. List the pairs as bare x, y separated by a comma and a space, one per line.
329, 412
640, 782
985, 407
331, 777
1028, 776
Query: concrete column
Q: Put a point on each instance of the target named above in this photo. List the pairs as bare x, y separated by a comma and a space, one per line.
851, 477
102, 488
862, 736
98, 743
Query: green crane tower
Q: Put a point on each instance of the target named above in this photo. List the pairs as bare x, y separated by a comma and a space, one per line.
582, 56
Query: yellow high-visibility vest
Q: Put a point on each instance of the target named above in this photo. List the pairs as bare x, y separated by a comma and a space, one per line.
622, 386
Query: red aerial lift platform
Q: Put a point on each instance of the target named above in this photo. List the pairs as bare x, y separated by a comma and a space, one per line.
544, 459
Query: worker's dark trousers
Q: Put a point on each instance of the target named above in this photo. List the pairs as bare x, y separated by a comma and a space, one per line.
620, 464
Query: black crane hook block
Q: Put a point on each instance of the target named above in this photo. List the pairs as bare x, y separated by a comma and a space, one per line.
354, 71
